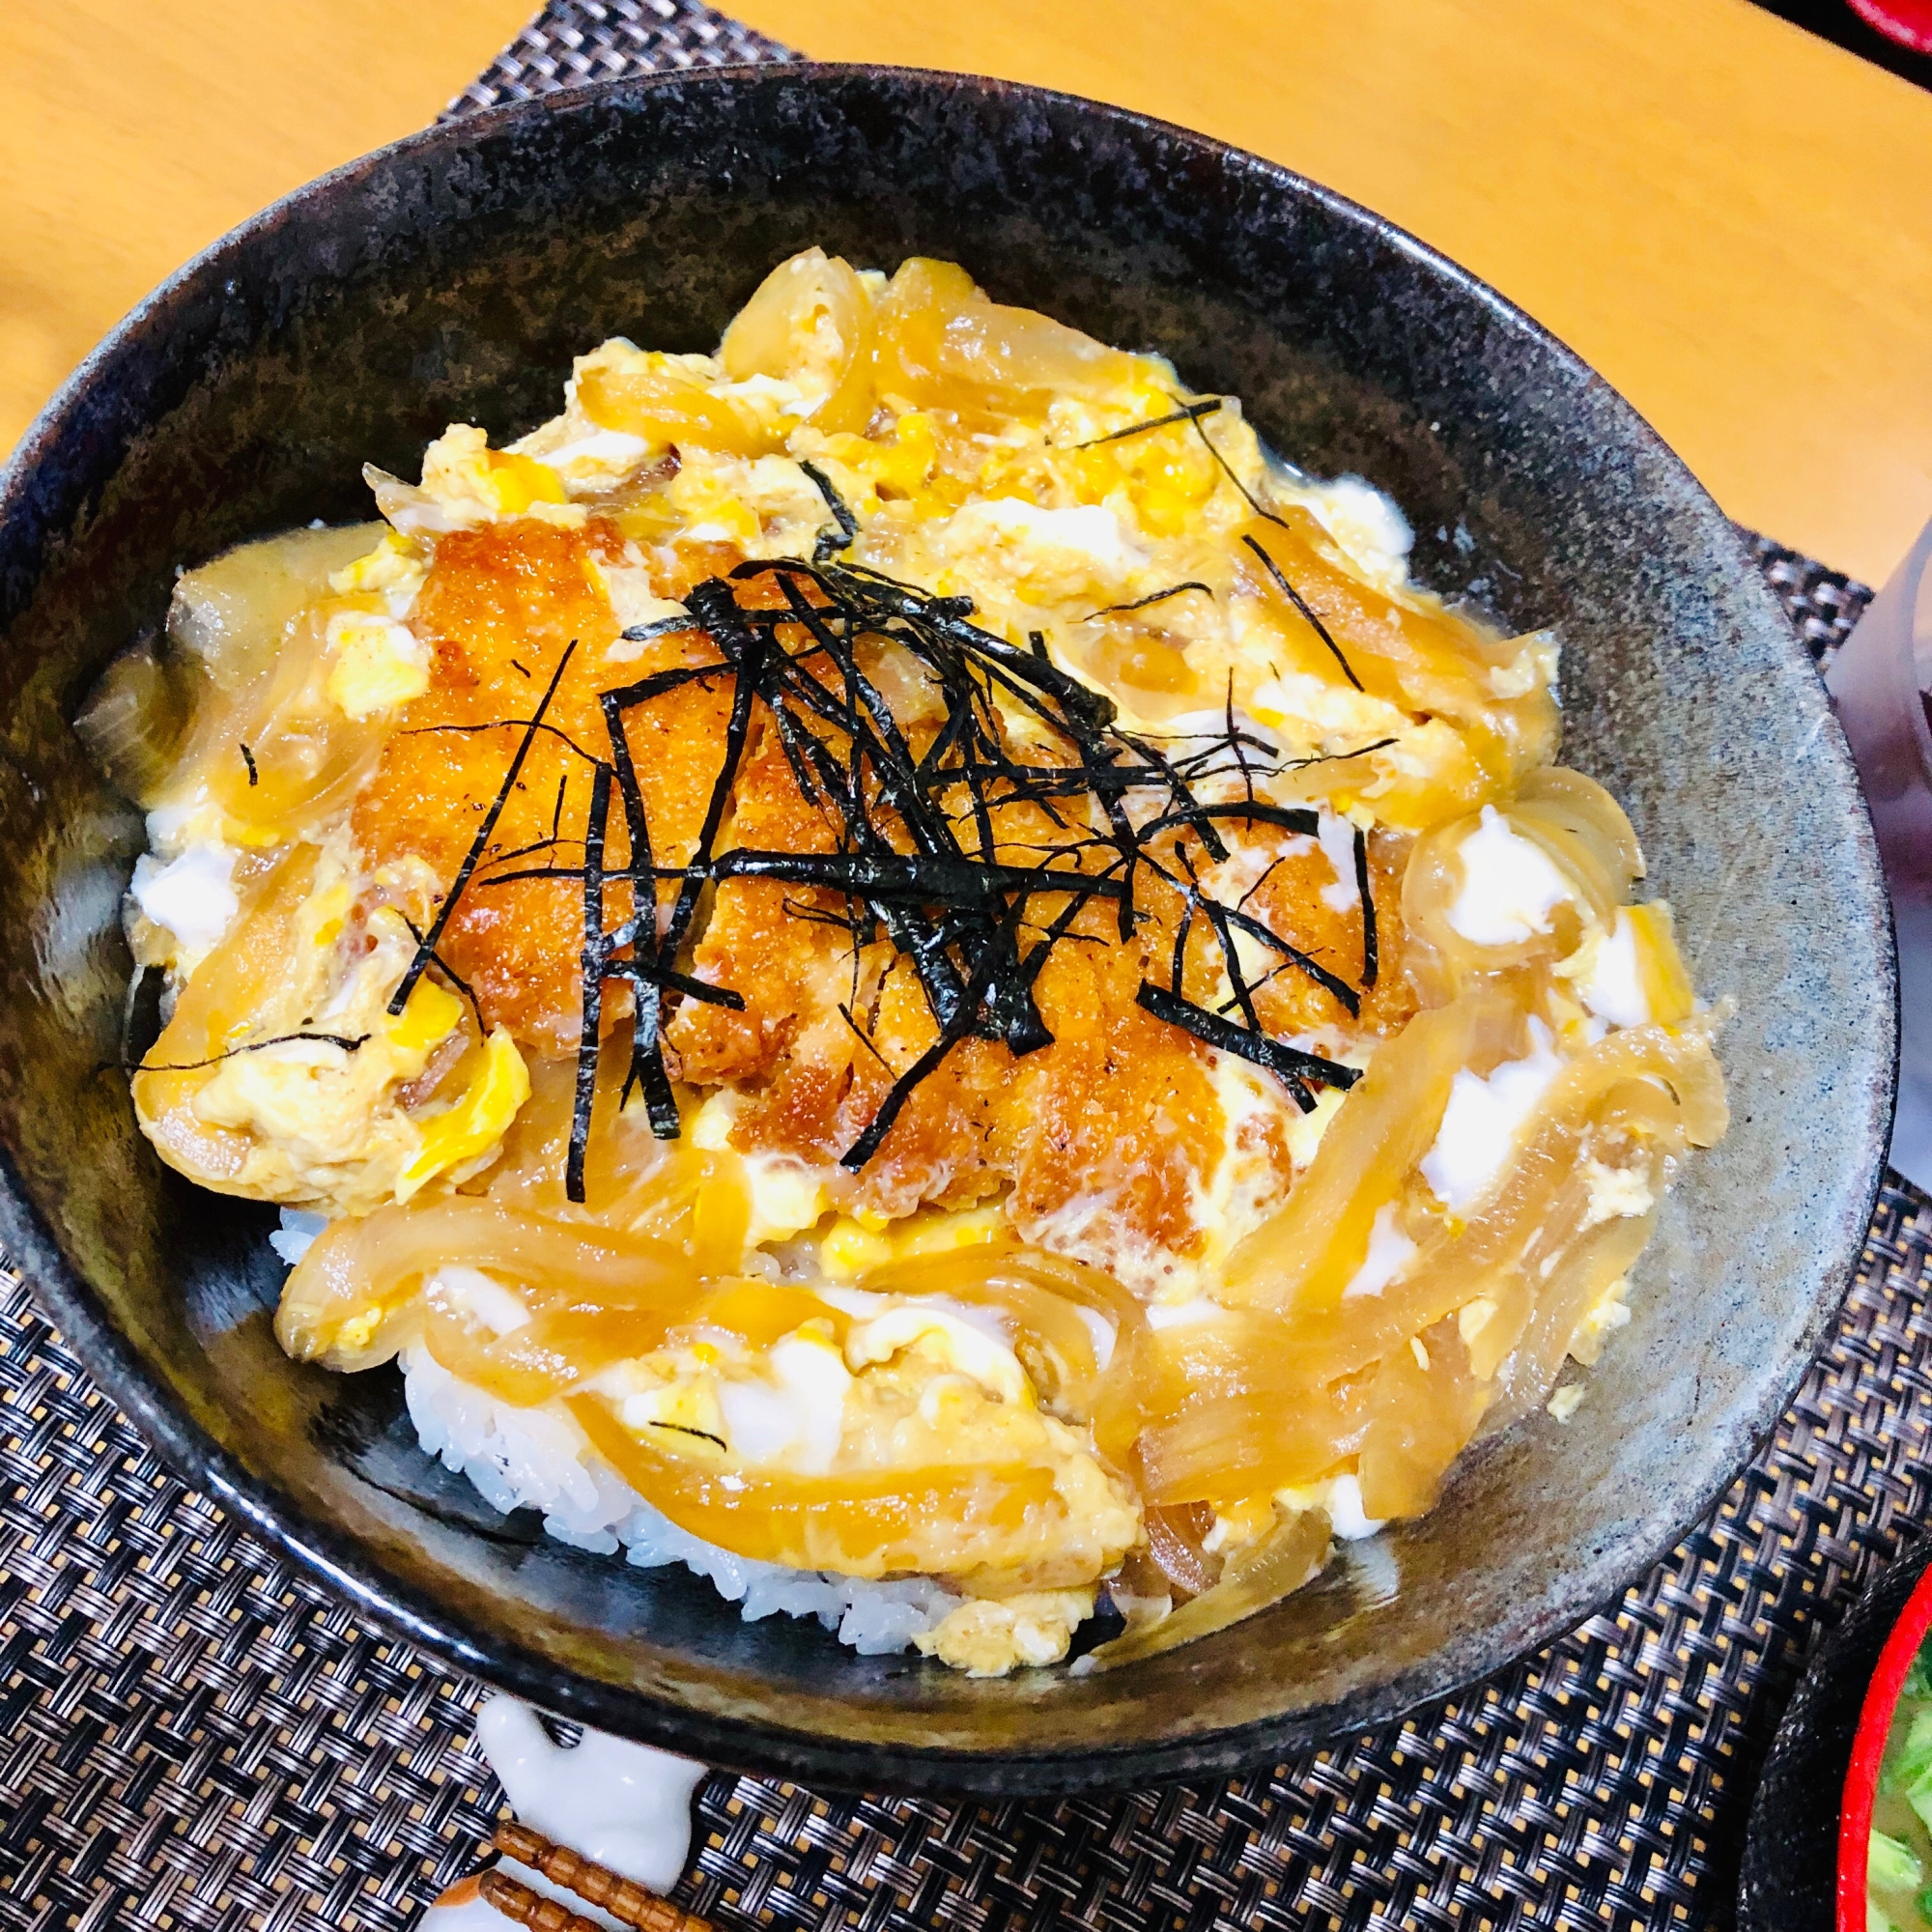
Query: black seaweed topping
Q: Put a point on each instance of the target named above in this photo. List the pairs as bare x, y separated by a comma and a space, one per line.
685, 1429
1294, 597
1337, 757
1152, 597
532, 724
1274, 570
1292, 1066
916, 855
1371, 961
248, 759
593, 959
1228, 470
426, 946
660, 627
443, 967
830, 544
347, 1043
1187, 412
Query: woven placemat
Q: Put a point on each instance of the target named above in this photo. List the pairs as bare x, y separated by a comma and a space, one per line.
192, 1735
572, 41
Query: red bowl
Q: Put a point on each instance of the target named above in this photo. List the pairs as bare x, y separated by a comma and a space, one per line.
1909, 23
1875, 1714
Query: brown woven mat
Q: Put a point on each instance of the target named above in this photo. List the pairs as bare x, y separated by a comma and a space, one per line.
192, 1735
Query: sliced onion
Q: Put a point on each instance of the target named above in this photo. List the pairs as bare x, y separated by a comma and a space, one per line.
1293, 1552
378, 1263
1568, 817
777, 332
232, 614
1174, 1542
1040, 1292
1308, 1253
943, 345
1279, 1403
135, 719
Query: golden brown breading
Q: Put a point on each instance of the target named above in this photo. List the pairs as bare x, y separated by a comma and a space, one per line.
499, 609
1108, 1134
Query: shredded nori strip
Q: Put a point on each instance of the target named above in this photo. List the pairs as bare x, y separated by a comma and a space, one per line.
346, 1041
659, 627
501, 725
1274, 569
248, 759
1228, 470
1338, 758
1294, 597
430, 940
829, 545
1187, 412
448, 971
1288, 818
685, 1429
595, 957
1142, 603
955, 1030
1290, 1064
864, 1038
916, 878
1227, 918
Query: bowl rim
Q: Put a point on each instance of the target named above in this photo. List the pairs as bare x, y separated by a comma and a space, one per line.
339, 1560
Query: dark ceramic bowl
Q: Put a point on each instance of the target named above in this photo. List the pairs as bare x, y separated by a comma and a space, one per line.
453, 276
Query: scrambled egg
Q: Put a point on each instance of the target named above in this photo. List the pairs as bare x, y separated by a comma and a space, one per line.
379, 663
306, 1100
990, 1637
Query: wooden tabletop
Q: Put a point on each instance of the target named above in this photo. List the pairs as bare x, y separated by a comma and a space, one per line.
1730, 219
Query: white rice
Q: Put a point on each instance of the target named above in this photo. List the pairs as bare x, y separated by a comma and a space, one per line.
294, 1239
534, 1459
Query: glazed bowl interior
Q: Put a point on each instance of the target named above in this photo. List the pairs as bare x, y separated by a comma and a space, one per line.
452, 278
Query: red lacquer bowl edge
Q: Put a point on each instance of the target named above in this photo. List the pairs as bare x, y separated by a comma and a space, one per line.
1854, 1814
1909, 23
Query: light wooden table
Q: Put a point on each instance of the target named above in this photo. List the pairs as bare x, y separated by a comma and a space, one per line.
1730, 219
